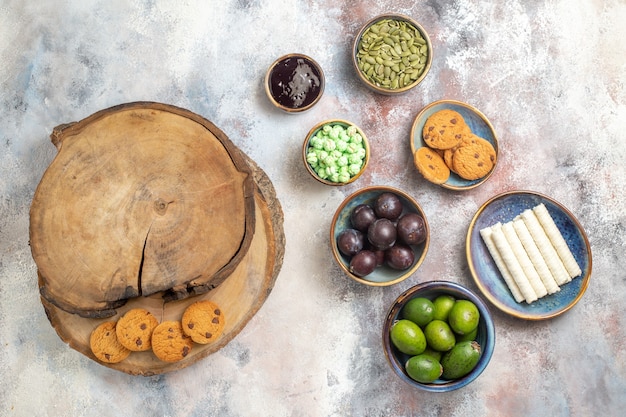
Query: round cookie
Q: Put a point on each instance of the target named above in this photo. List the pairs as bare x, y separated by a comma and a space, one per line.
443, 129
203, 321
431, 165
474, 160
104, 344
169, 343
448, 154
134, 329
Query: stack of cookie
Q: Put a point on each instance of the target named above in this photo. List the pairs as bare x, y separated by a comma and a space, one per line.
138, 330
451, 146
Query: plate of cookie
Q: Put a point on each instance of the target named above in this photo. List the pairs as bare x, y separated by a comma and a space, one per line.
454, 145
529, 255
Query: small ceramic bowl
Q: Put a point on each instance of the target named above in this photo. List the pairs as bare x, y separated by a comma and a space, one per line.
344, 166
391, 54
477, 122
294, 83
485, 337
383, 275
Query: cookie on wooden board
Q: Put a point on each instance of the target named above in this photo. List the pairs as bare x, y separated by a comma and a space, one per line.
134, 329
203, 321
105, 345
169, 343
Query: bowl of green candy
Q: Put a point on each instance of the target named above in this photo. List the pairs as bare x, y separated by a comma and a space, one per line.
335, 152
392, 53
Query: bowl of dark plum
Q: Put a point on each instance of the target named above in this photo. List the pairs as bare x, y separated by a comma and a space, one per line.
379, 235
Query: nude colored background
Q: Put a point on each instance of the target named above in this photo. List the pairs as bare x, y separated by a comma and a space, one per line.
550, 76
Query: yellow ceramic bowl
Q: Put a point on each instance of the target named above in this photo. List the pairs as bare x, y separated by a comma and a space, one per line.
324, 171
294, 83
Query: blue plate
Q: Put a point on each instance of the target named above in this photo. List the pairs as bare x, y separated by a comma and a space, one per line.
478, 123
503, 208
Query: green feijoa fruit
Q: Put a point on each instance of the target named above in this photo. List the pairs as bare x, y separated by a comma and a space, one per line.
469, 336
419, 310
407, 337
463, 317
423, 368
460, 361
439, 336
443, 304
432, 352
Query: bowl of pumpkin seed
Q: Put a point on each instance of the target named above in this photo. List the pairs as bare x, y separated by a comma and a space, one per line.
392, 53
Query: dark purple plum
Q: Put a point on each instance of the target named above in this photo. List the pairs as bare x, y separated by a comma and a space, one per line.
363, 263
411, 229
380, 257
382, 234
350, 242
362, 216
388, 206
399, 257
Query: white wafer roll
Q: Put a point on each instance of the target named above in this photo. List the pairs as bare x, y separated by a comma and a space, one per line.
511, 262
559, 243
524, 260
535, 256
504, 271
560, 274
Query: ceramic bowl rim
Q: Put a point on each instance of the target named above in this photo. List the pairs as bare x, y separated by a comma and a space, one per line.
499, 304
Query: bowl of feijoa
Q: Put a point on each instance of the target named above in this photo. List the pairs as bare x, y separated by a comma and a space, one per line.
438, 336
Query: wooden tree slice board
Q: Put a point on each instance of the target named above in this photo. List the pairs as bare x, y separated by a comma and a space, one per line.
240, 296
141, 198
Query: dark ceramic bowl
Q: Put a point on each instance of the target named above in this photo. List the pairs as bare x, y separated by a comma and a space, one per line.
485, 337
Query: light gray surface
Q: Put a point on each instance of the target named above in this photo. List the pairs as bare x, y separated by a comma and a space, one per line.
549, 75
